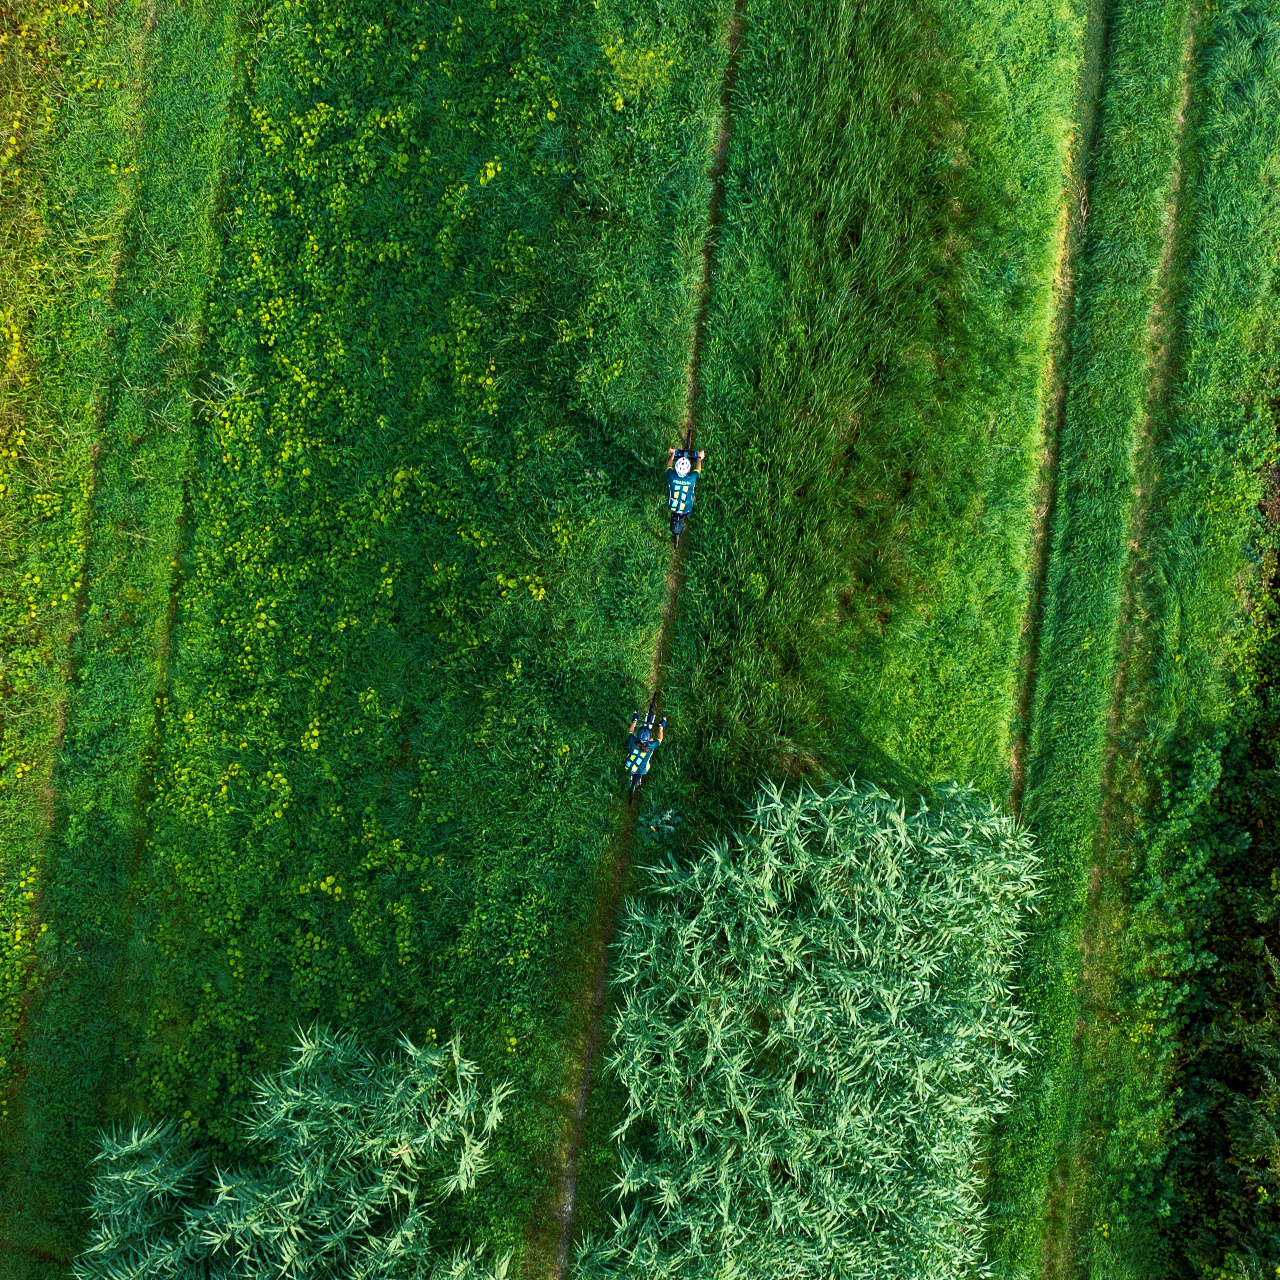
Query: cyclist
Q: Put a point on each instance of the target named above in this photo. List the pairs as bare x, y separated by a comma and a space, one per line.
642, 745
682, 475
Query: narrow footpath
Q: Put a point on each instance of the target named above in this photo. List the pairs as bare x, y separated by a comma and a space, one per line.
597, 960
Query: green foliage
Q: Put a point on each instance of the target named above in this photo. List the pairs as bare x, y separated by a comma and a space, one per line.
1200, 991
351, 1152
416, 566
816, 1030
1107, 410
46, 49
115, 340
855, 568
1191, 653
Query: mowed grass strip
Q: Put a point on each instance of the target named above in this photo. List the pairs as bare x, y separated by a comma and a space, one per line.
1106, 415
424, 557
855, 568
52, 334
1190, 671
127, 385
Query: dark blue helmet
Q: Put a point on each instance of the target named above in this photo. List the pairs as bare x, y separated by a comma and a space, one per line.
645, 737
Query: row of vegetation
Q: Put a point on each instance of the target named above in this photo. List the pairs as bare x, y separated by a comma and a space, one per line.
1155, 543
114, 339
1184, 1174
373, 573
1107, 422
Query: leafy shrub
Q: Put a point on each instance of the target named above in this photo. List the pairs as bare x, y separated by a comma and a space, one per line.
816, 1031
347, 1146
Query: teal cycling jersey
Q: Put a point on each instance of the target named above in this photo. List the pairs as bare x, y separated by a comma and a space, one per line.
680, 491
640, 755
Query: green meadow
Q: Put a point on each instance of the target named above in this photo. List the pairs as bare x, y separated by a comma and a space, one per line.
344, 344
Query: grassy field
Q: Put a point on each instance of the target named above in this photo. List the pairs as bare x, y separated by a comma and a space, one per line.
46, 439
415, 568
344, 351
117, 349
835, 614
1190, 663
1105, 422
855, 569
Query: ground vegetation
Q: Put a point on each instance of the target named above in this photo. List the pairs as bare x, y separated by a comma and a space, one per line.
851, 595
1155, 706
815, 1030
343, 349
350, 1154
416, 566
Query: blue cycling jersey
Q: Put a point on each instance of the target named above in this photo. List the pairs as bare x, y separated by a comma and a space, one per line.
680, 491
640, 755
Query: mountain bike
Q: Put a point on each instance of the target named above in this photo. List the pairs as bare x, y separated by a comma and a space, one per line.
637, 759
679, 517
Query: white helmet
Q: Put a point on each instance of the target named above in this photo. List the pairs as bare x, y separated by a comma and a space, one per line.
683, 467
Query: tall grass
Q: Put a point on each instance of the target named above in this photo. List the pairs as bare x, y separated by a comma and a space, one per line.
856, 567
1204, 445
334, 1128
815, 1031
870, 408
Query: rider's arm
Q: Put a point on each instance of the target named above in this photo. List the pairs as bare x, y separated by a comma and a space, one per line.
697, 466
661, 725
671, 457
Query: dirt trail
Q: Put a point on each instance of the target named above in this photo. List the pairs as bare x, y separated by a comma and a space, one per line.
1070, 239
598, 947
1067, 1223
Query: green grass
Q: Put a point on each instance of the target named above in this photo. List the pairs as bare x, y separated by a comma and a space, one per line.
412, 539
127, 391
1197, 450
1108, 381
1192, 658
856, 567
52, 332
409, 595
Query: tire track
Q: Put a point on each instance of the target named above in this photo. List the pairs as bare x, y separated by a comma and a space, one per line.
1067, 1224
598, 946
1056, 386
